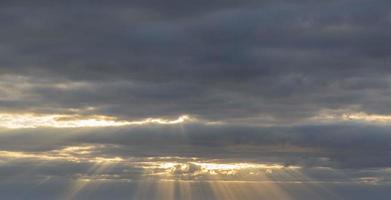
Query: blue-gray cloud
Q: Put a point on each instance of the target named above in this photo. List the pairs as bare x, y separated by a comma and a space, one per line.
263, 69
224, 60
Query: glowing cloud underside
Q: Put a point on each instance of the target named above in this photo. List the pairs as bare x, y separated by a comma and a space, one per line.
15, 121
333, 116
31, 120
172, 168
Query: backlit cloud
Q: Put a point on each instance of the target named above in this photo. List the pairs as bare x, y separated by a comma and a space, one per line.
206, 99
15, 121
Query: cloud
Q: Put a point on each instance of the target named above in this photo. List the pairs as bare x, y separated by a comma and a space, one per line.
30, 120
333, 145
277, 83
284, 60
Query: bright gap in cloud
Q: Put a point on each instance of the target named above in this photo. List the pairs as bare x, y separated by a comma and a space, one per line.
202, 168
343, 116
29, 120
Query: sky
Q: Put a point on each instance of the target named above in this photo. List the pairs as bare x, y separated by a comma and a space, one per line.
207, 99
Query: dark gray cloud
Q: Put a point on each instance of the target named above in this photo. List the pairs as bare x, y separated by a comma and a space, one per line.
264, 68
212, 59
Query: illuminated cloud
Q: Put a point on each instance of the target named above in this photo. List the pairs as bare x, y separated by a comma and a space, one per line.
351, 116
211, 99
70, 154
15, 121
207, 169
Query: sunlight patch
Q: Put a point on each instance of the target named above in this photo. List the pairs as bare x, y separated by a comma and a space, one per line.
206, 170
343, 115
29, 120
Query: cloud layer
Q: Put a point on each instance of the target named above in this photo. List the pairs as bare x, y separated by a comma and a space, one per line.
139, 97
259, 61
